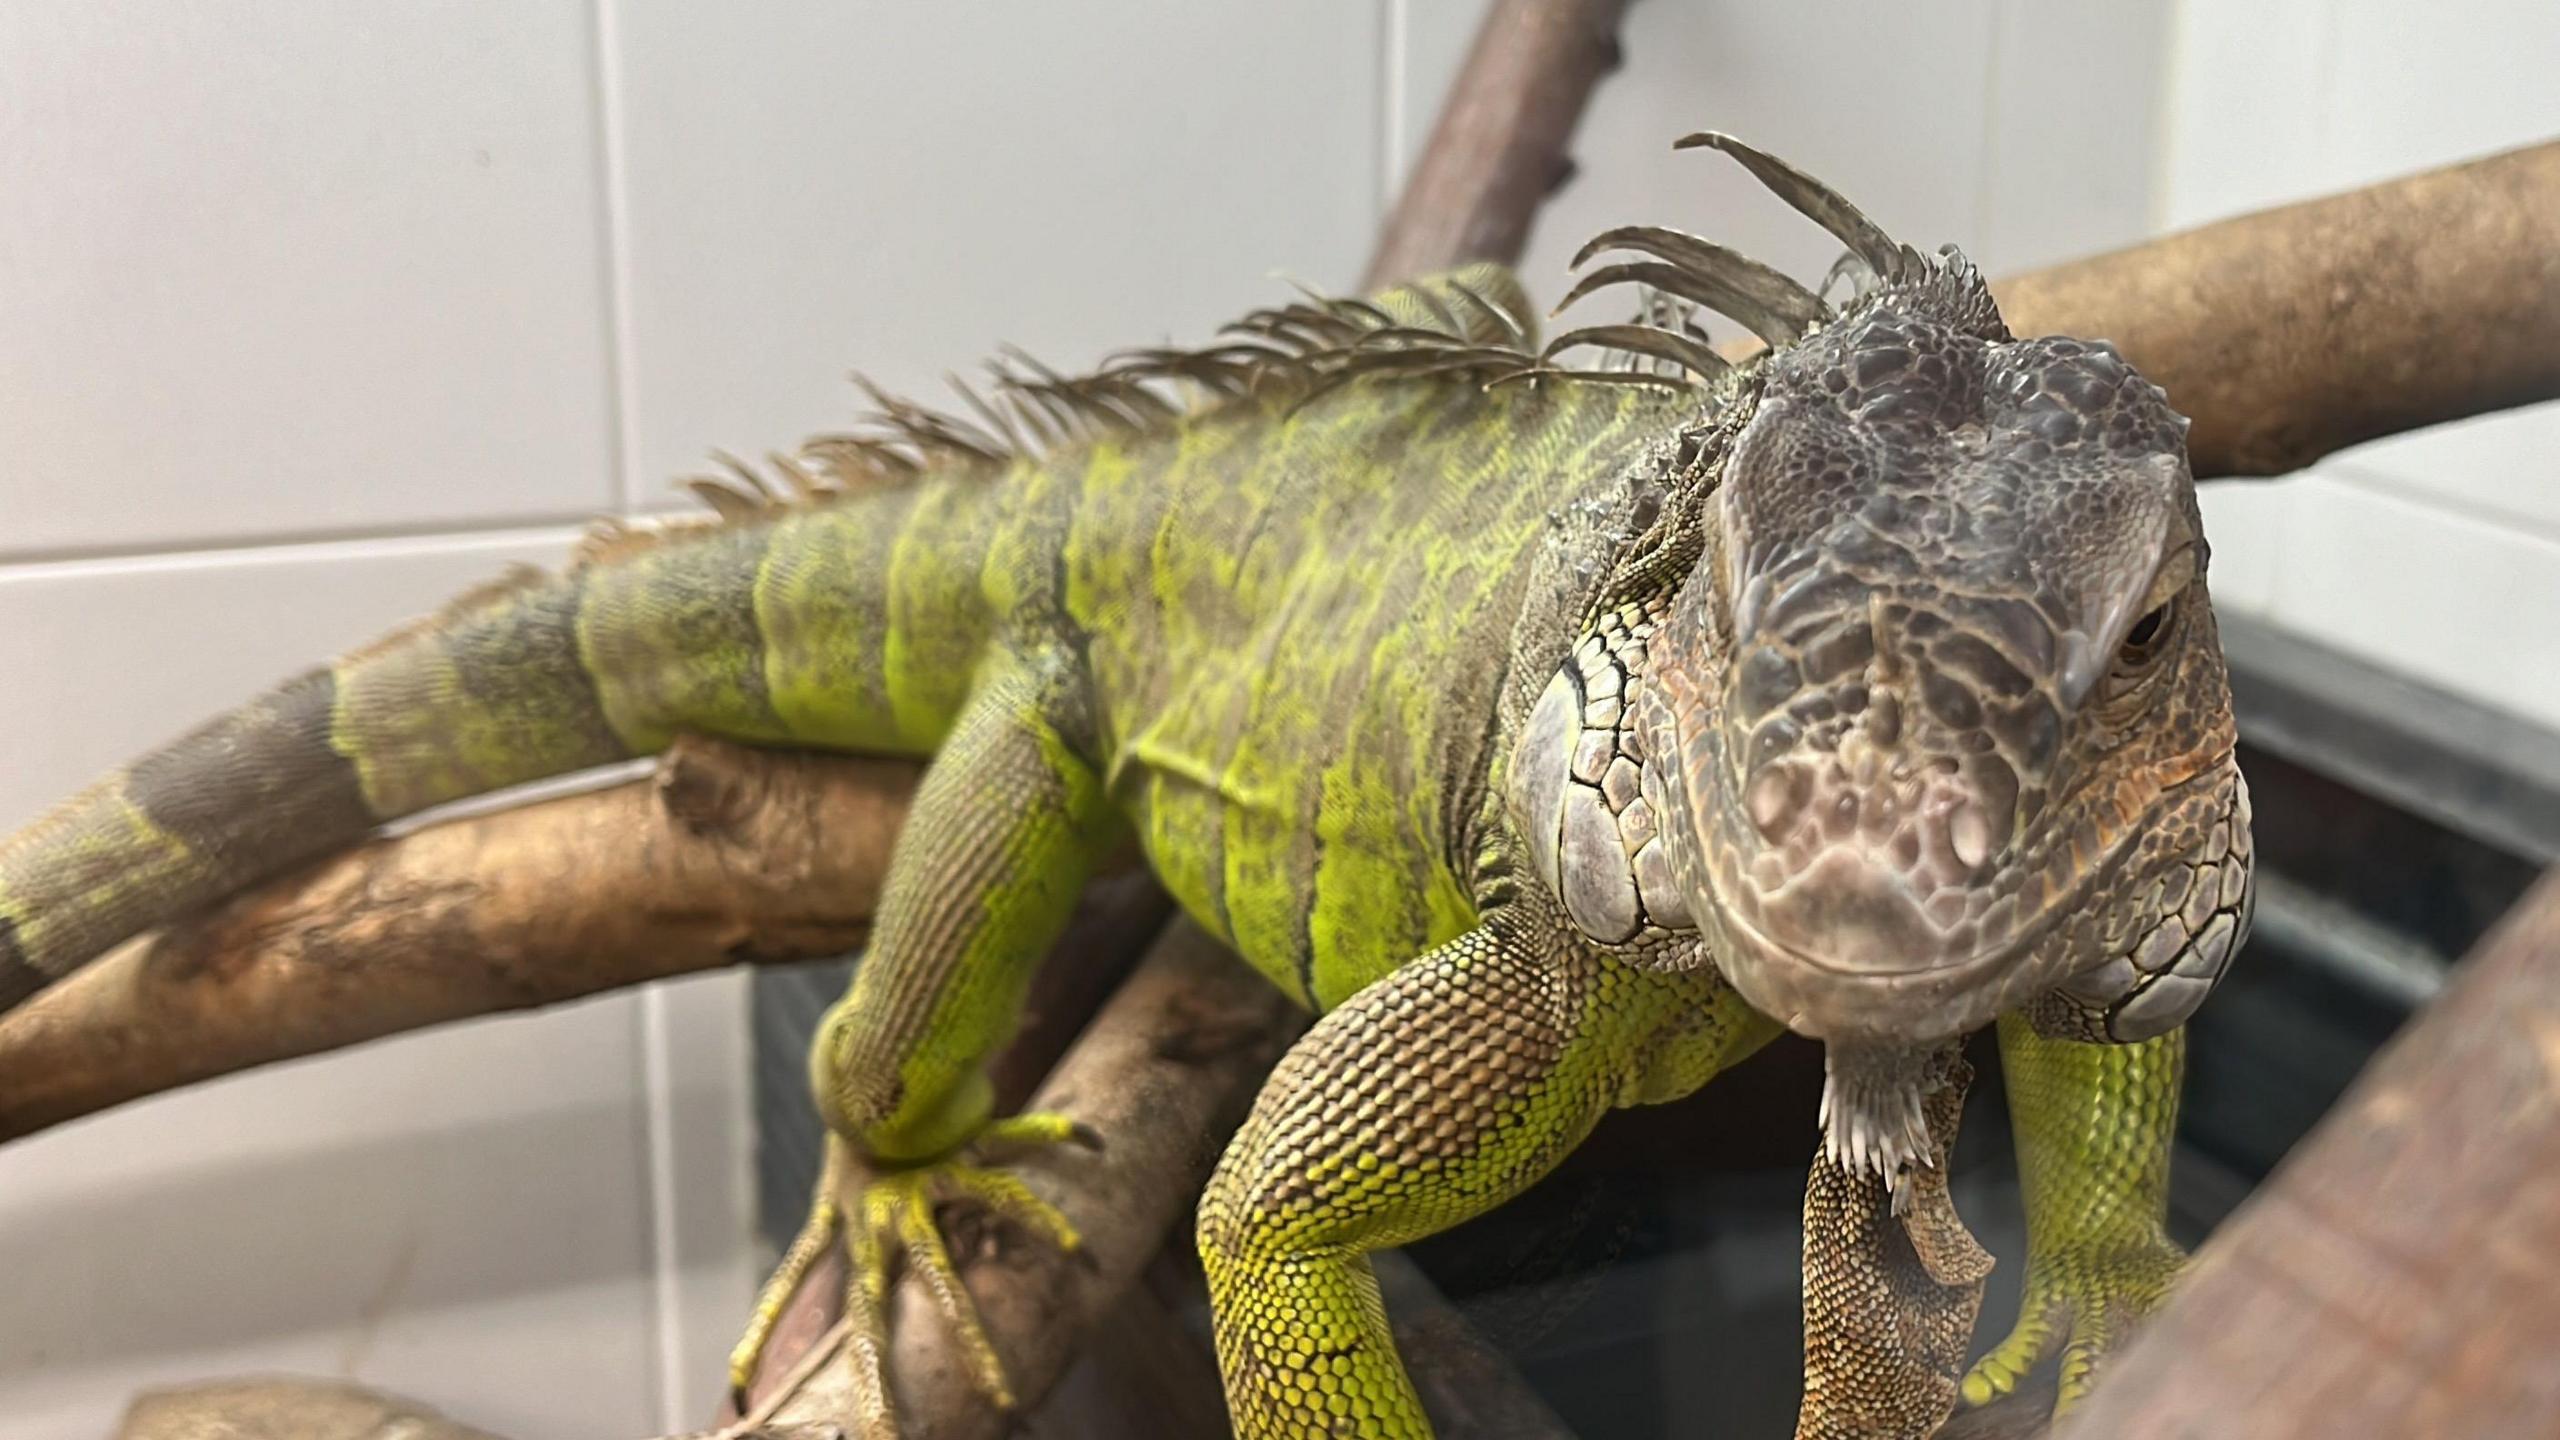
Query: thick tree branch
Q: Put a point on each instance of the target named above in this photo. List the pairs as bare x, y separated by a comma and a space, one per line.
2301, 330
727, 854
285, 1410
1498, 148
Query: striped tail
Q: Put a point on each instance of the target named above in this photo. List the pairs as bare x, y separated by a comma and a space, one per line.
762, 632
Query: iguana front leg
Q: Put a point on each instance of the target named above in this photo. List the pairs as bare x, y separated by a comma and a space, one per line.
1892, 1282
2094, 1125
1428, 1098
1007, 825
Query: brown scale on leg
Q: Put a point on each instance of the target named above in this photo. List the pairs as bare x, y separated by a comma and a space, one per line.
1428, 1098
1889, 1298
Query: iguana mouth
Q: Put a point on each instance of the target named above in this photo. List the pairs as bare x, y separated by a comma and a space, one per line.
1825, 998
1827, 993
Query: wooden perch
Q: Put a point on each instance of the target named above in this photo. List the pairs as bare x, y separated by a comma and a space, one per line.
2396, 1276
285, 1410
1498, 148
2298, 331
726, 854
1164, 1073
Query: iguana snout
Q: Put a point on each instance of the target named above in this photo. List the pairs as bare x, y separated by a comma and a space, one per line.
1870, 856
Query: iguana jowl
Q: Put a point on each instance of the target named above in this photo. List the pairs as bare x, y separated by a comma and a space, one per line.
1558, 734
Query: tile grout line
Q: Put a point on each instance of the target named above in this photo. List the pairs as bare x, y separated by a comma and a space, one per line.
2168, 86
2411, 493
284, 545
649, 1016
613, 254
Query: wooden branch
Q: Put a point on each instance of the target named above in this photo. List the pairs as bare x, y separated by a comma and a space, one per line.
1468, 1388
1499, 146
2298, 331
1165, 1073
727, 854
2397, 1275
285, 1410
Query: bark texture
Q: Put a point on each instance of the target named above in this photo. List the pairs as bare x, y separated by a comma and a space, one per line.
2298, 331
726, 854
1498, 148
285, 1410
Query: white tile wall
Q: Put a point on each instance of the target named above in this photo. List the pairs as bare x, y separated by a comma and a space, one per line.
1906, 109
902, 188
2437, 553
276, 269
457, 1215
462, 1206
309, 318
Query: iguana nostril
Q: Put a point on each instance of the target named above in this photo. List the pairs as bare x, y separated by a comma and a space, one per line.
1776, 794
1969, 835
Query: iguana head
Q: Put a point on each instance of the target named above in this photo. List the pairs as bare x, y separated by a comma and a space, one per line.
1944, 708
1933, 721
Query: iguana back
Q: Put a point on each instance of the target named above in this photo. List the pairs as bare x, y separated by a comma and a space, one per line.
1295, 609
1299, 633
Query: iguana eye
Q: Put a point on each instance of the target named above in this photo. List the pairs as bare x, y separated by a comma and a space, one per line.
2146, 631
2138, 658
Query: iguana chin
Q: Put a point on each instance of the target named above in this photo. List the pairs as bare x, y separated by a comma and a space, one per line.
1559, 734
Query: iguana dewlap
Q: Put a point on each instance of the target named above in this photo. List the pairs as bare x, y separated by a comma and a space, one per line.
1558, 734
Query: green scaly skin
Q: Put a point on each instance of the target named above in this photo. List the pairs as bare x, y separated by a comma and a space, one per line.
2094, 1124
1286, 641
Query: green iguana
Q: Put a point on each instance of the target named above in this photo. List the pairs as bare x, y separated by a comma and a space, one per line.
1559, 735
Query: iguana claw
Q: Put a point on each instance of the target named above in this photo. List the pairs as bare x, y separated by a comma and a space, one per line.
886, 1221
2084, 1306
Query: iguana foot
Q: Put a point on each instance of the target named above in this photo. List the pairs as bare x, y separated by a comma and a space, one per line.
2084, 1305
885, 1217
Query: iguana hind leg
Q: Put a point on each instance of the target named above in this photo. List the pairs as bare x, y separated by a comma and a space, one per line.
1007, 825
1428, 1098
